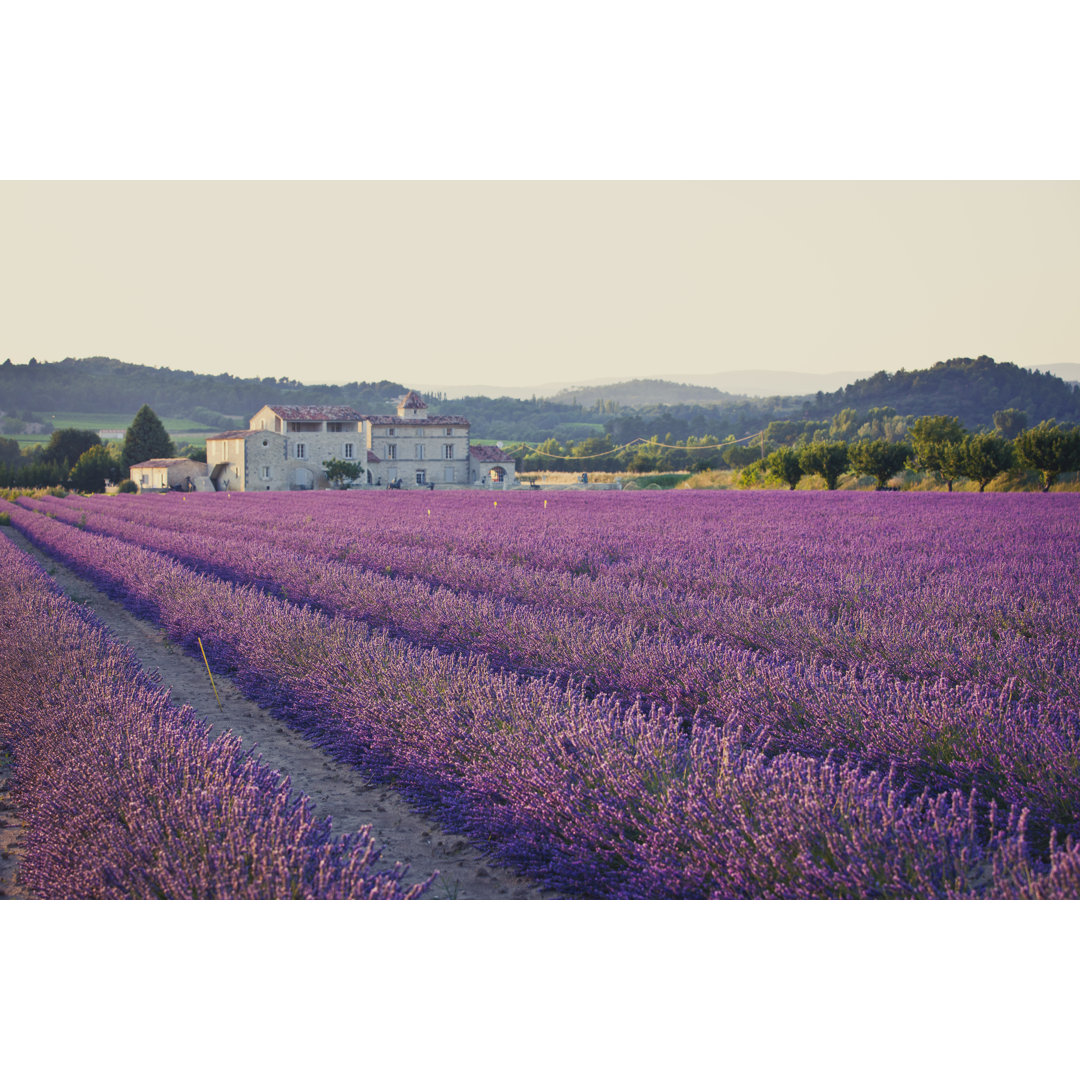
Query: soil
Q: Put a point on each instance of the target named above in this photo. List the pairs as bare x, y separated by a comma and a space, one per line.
337, 790
11, 837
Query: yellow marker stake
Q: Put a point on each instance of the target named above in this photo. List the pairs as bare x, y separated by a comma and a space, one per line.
208, 672
545, 504
496, 502
429, 513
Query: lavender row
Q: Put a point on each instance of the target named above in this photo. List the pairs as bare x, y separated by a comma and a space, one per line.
125, 796
587, 795
1015, 748
696, 542
906, 618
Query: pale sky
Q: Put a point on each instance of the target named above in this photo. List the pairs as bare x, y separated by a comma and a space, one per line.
520, 283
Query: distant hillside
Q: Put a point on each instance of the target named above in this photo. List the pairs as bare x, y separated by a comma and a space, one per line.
100, 384
970, 389
635, 393
1069, 372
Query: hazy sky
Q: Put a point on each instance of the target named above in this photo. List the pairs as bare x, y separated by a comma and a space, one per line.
517, 283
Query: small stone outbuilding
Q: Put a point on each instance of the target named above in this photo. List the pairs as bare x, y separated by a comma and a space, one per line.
491, 465
163, 474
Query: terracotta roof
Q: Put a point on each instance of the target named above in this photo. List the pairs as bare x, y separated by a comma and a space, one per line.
314, 412
164, 462
412, 400
243, 433
372, 459
414, 421
489, 453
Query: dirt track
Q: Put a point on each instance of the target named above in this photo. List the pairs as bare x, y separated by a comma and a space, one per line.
335, 789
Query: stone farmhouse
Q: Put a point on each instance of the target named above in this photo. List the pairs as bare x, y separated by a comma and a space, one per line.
161, 474
284, 447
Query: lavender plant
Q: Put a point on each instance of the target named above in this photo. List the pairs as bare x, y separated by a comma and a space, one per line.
124, 794
598, 795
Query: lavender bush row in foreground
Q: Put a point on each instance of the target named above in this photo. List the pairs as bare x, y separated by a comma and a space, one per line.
124, 795
1015, 747
998, 608
587, 795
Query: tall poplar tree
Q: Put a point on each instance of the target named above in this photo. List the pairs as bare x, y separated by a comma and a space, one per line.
146, 439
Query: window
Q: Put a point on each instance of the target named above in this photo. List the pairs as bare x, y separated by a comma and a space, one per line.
419, 451
448, 474
390, 432
348, 451
449, 431
421, 476
448, 451
266, 472
391, 451
145, 480
301, 450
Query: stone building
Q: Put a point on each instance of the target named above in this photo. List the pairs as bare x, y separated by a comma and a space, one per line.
491, 465
252, 460
285, 446
417, 449
163, 474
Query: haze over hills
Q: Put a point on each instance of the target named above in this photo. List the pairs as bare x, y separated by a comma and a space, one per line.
743, 383
971, 389
672, 389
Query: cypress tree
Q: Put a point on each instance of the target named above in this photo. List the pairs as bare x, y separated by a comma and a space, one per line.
146, 439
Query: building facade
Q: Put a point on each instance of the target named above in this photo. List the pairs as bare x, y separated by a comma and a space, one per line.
164, 474
415, 449
491, 465
286, 446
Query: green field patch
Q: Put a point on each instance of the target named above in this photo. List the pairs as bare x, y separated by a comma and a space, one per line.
91, 421
661, 481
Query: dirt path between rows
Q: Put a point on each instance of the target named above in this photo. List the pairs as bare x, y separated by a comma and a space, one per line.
11, 837
404, 835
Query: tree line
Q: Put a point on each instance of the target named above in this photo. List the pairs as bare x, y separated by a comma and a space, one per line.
970, 389
878, 443
938, 446
78, 460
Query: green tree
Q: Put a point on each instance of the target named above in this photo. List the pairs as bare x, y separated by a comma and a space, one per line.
935, 441
826, 459
338, 472
741, 455
784, 463
146, 439
67, 445
878, 458
844, 425
595, 444
1049, 449
985, 456
98, 465
1008, 423
10, 451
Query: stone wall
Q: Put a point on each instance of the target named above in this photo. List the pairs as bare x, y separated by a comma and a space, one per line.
419, 449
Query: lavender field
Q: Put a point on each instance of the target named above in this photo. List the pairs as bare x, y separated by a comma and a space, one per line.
124, 794
684, 694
